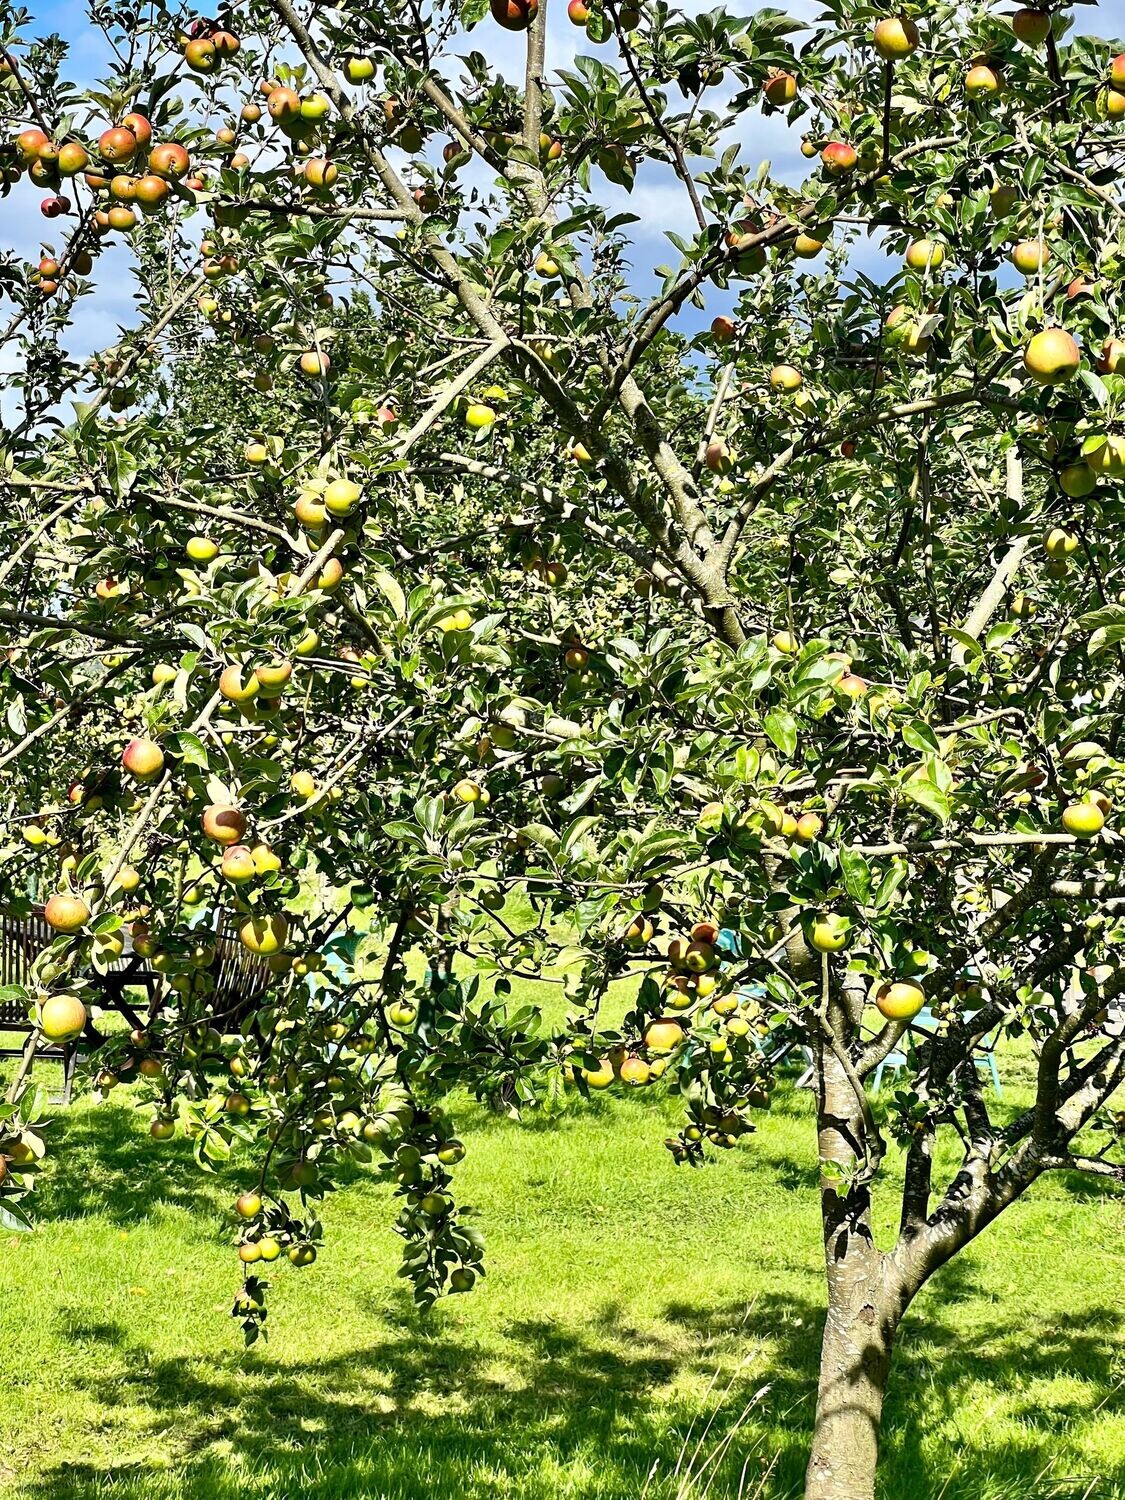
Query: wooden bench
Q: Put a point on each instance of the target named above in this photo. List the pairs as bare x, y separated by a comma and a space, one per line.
239, 979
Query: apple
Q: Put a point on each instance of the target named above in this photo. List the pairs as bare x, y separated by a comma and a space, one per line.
982, 79
341, 497
785, 378
809, 827
163, 1128
201, 549
225, 43
1083, 819
808, 246
314, 364
1059, 544
248, 1205
235, 688
899, 1000
150, 190
201, 56
478, 416
358, 68
283, 105
924, 255
140, 127
514, 15
31, 143
895, 37
302, 784
1077, 480
1112, 357
634, 1071
839, 157
117, 144
315, 108
224, 825
717, 457
723, 329
785, 642
143, 759
73, 158
1030, 256
1117, 71
66, 913
663, 1035
169, 160
780, 89
62, 1018
1032, 27
905, 330
264, 935
272, 676
829, 932
319, 172
238, 864
1106, 456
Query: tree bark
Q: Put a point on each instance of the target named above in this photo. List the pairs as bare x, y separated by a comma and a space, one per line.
864, 1301
855, 1359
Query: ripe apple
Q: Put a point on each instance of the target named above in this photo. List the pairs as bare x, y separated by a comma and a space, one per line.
201, 56
839, 157
634, 1071
785, 642
248, 1205
264, 935
1030, 256
235, 688
62, 1018
663, 1035
169, 160
67, 913
809, 827
895, 37
981, 80
150, 191
808, 246
723, 329
1112, 357
163, 1128
514, 15
272, 676
638, 933
143, 759
900, 999
314, 364
780, 89
320, 173
358, 69
785, 378
238, 864
117, 144
30, 143
224, 825
1052, 357
73, 158
1117, 71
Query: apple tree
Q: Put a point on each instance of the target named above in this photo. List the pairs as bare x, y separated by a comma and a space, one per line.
421, 559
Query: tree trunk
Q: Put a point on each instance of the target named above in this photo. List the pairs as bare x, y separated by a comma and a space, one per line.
864, 1289
855, 1359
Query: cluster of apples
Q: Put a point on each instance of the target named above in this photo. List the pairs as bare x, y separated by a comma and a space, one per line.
129, 171
206, 46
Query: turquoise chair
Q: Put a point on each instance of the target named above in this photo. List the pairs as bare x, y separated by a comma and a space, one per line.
896, 1061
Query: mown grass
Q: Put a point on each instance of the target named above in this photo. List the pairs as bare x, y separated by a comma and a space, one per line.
626, 1301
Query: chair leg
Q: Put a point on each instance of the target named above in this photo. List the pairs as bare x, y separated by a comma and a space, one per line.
995, 1071
70, 1063
879, 1077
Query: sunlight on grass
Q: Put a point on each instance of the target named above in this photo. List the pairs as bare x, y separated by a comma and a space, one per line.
628, 1305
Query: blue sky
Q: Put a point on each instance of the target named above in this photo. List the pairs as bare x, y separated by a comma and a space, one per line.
658, 200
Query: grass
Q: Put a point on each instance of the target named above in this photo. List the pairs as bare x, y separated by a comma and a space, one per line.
626, 1301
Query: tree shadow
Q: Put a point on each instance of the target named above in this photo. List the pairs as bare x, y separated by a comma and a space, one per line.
587, 1410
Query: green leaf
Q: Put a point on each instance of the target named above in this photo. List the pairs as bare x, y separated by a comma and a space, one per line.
121, 468
781, 727
920, 737
390, 588
931, 797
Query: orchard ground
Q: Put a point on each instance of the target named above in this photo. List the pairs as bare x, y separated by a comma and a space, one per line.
627, 1304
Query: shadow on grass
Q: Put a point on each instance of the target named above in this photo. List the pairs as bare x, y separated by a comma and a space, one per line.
585, 1411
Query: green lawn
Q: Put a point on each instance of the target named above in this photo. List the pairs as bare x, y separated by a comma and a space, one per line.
626, 1301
